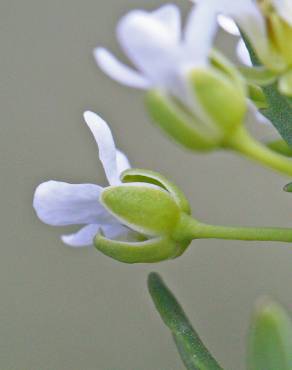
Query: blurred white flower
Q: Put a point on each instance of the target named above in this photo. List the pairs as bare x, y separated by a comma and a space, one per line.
59, 203
159, 49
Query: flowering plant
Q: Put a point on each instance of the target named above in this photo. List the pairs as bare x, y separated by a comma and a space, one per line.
200, 99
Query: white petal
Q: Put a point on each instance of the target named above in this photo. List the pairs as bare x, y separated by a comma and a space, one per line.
122, 162
83, 238
169, 15
228, 25
116, 231
149, 45
106, 146
249, 18
118, 71
258, 116
243, 53
58, 204
200, 31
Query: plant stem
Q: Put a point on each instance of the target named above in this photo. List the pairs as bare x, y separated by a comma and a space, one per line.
245, 144
193, 229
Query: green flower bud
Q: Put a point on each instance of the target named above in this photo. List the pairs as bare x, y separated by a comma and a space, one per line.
279, 33
270, 339
219, 98
147, 208
216, 106
151, 177
179, 123
153, 207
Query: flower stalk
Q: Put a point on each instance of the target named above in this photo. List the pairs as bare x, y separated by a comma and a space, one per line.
242, 142
194, 229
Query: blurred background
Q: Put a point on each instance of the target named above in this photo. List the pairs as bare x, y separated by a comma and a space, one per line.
66, 309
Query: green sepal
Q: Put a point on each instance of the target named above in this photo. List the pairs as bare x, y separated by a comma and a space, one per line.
223, 64
270, 342
219, 98
285, 84
258, 75
256, 94
280, 146
145, 208
148, 251
192, 350
178, 123
155, 178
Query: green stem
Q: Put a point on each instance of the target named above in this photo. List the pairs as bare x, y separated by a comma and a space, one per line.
192, 229
245, 144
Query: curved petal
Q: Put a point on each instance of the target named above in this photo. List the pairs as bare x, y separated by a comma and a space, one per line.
149, 45
243, 54
106, 146
249, 18
82, 238
122, 162
200, 31
257, 115
228, 25
169, 15
118, 71
59, 203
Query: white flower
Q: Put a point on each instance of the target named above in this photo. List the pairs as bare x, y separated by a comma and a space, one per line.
265, 23
161, 52
59, 203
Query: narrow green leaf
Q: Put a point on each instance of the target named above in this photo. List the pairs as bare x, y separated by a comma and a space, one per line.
270, 344
279, 111
192, 350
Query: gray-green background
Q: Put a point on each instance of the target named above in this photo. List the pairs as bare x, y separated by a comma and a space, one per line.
64, 309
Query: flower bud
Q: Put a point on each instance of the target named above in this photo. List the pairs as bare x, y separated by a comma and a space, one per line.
152, 207
147, 208
214, 107
270, 339
219, 97
279, 30
179, 124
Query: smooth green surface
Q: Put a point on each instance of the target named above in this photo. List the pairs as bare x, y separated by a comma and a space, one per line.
192, 350
150, 251
280, 146
178, 124
220, 98
64, 309
141, 175
245, 144
146, 208
270, 341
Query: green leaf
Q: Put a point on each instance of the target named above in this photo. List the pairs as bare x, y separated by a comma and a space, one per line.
270, 342
279, 111
192, 350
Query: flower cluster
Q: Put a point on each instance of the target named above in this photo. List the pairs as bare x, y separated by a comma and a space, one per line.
200, 99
